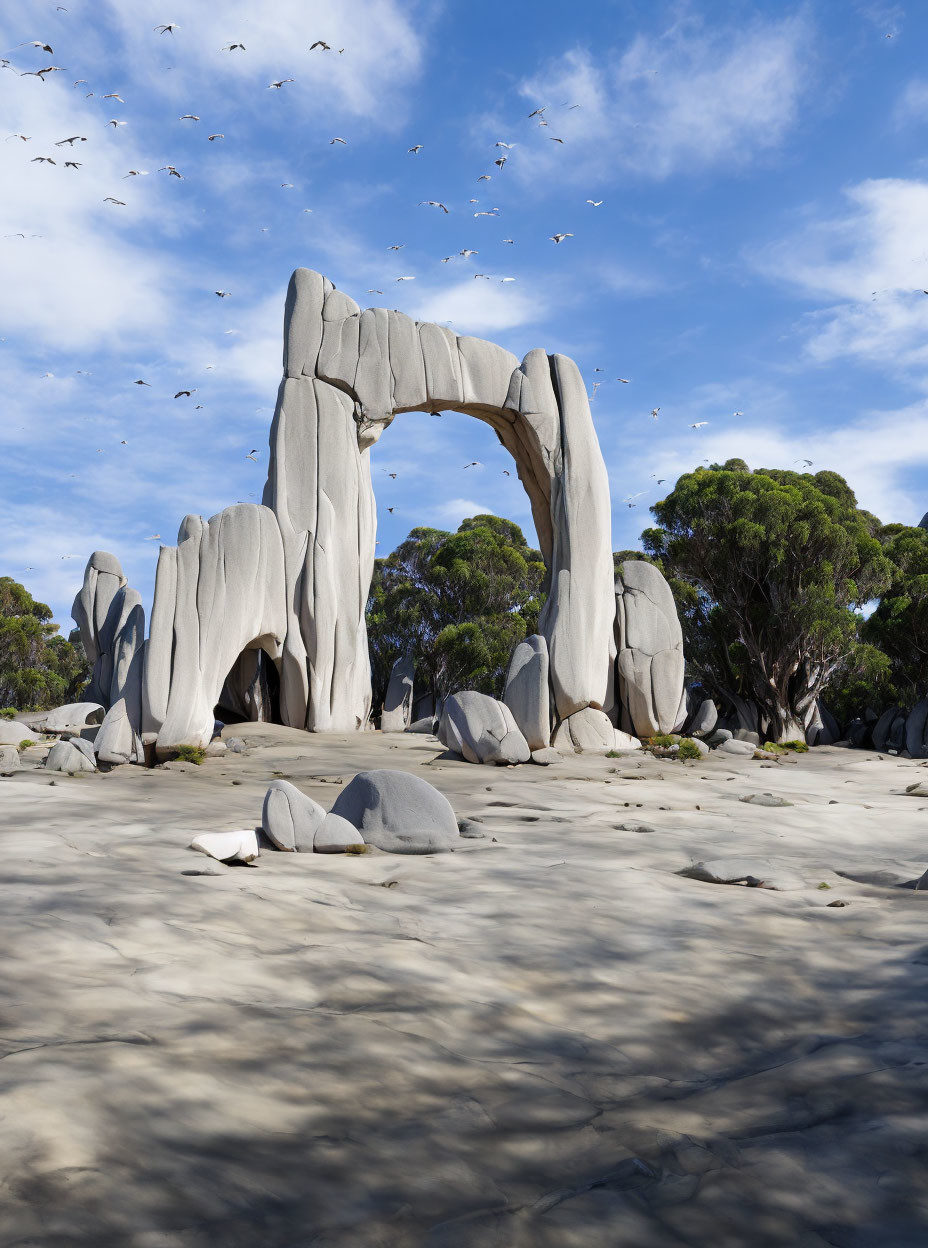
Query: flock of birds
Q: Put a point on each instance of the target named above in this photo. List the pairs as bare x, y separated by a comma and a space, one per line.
542, 117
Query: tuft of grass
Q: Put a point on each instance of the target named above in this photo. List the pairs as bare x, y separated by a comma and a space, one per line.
689, 749
24, 744
360, 848
663, 740
770, 747
8, 712
798, 747
824, 885
191, 754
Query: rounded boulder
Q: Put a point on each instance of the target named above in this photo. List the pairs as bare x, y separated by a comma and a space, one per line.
398, 813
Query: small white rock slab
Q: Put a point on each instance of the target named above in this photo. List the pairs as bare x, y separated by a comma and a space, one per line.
228, 846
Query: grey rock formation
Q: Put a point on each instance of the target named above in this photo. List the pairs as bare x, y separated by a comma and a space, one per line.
704, 719
547, 757
650, 650
9, 760
591, 732
884, 726
526, 692
822, 727
262, 609
397, 706
117, 741
398, 813
86, 747
12, 731
73, 717
428, 725
482, 730
66, 757
240, 846
765, 799
290, 818
219, 593
335, 834
916, 737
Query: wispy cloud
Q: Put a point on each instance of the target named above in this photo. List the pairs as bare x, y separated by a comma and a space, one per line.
874, 261
696, 97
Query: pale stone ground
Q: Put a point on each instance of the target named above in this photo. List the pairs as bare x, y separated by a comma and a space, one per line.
544, 1040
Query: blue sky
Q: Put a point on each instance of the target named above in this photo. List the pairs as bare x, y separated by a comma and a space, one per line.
757, 262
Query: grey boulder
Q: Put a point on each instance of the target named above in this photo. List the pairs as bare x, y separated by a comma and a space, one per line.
915, 725
397, 706
482, 730
73, 717
883, 727
117, 741
704, 719
12, 732
9, 760
526, 692
335, 834
398, 813
738, 749
650, 650
291, 819
591, 731
69, 758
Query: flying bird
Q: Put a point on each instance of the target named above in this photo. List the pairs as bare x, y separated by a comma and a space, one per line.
113, 96
468, 251
415, 149
37, 43
537, 112
554, 140
114, 123
491, 213
405, 279
171, 172
596, 202
625, 381
189, 117
72, 164
432, 203
698, 424
507, 279
320, 43
185, 393
121, 203
654, 412
223, 294
344, 142
509, 240
485, 275
253, 454
277, 85
396, 247
40, 73
155, 537
211, 137
230, 47
135, 173
375, 292
474, 463
485, 177
502, 160
25, 137
141, 383
75, 138
508, 146
42, 159
559, 238
167, 28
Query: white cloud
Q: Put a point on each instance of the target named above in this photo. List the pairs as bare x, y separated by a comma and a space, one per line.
693, 98
874, 261
478, 306
912, 105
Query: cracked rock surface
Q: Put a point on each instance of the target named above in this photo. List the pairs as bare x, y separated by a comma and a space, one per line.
546, 1038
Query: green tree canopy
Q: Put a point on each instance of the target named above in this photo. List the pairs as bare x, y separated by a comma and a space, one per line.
899, 625
776, 566
38, 668
458, 601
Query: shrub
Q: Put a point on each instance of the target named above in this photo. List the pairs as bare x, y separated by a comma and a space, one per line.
689, 749
798, 747
663, 740
24, 744
191, 754
8, 712
360, 848
771, 747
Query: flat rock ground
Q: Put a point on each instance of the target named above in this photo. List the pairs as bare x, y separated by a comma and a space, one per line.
546, 1038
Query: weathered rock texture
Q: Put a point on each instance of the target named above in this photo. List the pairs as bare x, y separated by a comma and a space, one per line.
482, 730
650, 650
526, 692
398, 813
397, 707
261, 610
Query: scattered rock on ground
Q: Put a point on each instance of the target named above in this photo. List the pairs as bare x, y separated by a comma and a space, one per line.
547, 756
753, 872
68, 758
765, 799
335, 834
720, 735
744, 749
9, 760
398, 813
241, 846
290, 818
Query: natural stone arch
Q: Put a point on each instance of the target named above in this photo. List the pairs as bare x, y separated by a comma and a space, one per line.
347, 374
